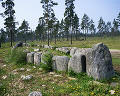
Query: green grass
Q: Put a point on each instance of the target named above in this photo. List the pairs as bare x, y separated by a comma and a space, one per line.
111, 42
51, 85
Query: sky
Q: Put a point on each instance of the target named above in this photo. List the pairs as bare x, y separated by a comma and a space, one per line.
31, 10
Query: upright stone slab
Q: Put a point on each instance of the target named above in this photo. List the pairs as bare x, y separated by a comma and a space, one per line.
30, 57
77, 63
37, 58
60, 63
99, 62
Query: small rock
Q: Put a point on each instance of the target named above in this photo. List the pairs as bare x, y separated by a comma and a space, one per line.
28, 69
27, 77
35, 94
40, 69
72, 78
36, 50
52, 73
43, 85
4, 66
34, 66
58, 76
22, 69
4, 77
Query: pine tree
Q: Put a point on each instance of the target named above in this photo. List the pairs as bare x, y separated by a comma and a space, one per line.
9, 14
24, 28
115, 24
62, 29
48, 11
101, 26
76, 24
92, 26
69, 14
85, 24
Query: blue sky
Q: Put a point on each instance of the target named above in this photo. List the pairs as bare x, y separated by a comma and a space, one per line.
31, 10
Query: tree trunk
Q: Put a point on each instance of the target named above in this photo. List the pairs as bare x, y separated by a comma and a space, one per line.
76, 35
55, 39
85, 33
11, 36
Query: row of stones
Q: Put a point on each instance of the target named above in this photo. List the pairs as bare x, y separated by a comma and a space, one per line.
97, 61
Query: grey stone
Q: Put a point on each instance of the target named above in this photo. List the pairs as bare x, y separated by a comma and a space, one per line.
30, 57
99, 62
81, 51
77, 63
35, 94
36, 50
72, 51
37, 58
28, 77
64, 49
60, 63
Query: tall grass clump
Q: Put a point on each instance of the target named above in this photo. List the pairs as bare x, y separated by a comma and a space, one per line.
17, 56
47, 62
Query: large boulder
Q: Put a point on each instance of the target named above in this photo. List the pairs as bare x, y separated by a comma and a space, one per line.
77, 63
30, 57
60, 63
99, 62
37, 58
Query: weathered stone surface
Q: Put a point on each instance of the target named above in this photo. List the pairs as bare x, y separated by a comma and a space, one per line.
35, 94
60, 63
30, 57
99, 62
77, 63
64, 49
72, 51
37, 58
81, 51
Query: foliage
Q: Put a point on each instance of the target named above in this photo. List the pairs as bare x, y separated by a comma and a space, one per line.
47, 62
10, 19
17, 56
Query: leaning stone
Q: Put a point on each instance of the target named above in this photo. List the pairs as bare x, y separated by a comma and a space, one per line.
77, 63
37, 58
30, 57
99, 62
35, 94
61, 63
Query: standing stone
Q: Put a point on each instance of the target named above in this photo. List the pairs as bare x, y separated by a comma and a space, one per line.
37, 58
77, 63
99, 62
60, 63
30, 57
72, 51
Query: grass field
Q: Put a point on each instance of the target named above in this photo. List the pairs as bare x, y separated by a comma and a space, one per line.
57, 83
